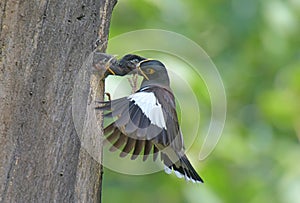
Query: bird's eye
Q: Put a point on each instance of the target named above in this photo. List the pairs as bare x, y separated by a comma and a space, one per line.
134, 60
150, 70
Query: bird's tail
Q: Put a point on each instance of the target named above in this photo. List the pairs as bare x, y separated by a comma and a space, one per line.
182, 168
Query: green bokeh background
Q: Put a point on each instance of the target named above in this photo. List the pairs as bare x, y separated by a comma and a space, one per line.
256, 47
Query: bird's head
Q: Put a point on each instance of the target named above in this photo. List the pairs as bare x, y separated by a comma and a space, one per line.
125, 65
154, 72
129, 62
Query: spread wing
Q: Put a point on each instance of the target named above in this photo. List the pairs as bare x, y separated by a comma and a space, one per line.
132, 131
144, 120
147, 121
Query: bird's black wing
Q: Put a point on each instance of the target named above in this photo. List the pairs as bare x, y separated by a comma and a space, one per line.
148, 120
130, 132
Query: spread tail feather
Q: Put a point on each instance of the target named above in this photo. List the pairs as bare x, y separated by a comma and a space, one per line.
182, 168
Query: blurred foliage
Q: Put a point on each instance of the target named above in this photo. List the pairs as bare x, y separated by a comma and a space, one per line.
256, 47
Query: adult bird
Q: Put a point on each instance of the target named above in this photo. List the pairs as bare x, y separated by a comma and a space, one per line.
147, 120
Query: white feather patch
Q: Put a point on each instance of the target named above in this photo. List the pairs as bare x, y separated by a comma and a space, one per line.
150, 107
168, 170
180, 175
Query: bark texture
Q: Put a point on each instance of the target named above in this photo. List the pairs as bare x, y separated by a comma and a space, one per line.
42, 47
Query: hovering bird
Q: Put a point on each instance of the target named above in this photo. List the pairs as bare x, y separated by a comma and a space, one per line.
147, 120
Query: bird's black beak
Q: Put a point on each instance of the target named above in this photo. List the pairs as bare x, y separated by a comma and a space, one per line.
140, 70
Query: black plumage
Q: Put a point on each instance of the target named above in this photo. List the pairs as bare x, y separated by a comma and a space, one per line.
147, 121
123, 66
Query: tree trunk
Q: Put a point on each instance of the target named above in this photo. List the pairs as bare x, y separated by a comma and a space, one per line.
43, 45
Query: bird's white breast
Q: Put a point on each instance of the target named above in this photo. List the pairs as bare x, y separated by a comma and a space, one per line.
150, 107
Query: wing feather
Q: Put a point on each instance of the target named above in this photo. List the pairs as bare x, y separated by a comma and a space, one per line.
147, 149
155, 153
113, 136
128, 147
137, 132
120, 142
139, 145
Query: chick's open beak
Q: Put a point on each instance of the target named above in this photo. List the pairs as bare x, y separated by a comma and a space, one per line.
107, 66
110, 70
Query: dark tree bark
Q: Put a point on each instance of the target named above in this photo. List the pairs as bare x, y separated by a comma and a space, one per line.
43, 45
